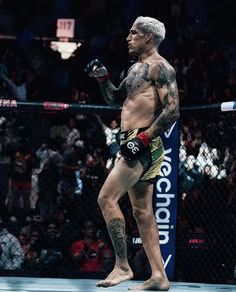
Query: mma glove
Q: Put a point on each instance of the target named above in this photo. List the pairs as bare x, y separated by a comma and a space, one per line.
96, 69
134, 147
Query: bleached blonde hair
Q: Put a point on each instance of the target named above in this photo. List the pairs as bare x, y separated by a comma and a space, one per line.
151, 25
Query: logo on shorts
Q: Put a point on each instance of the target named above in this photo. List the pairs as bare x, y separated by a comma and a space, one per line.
122, 136
131, 145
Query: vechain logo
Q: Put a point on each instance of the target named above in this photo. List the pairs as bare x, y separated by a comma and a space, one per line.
164, 197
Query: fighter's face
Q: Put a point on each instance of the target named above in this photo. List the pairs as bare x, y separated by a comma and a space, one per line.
136, 41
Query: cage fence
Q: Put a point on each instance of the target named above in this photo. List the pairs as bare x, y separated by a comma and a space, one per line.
206, 233
53, 164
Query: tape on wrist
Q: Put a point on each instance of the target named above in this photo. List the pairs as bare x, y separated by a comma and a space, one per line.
103, 79
144, 138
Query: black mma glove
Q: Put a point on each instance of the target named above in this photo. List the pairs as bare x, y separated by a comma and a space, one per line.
134, 147
96, 69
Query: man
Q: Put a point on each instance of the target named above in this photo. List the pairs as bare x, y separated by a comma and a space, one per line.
22, 165
111, 132
150, 106
11, 253
88, 252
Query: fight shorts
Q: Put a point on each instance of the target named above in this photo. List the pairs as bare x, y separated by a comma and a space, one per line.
151, 159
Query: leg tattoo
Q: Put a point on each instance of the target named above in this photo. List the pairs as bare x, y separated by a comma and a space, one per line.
116, 228
122, 271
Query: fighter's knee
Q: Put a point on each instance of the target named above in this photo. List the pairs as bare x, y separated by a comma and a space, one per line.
106, 201
103, 200
139, 213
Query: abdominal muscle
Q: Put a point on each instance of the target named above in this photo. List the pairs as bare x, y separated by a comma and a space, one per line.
139, 110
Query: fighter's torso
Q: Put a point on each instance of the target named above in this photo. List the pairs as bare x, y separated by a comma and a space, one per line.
142, 101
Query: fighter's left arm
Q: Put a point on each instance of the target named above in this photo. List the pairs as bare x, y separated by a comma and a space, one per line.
164, 78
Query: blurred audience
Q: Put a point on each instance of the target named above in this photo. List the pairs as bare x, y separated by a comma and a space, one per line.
11, 252
61, 162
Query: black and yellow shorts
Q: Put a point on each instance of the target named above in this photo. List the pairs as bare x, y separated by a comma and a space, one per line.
151, 159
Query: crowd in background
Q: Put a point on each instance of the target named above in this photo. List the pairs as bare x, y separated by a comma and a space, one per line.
199, 46
52, 166
49, 194
207, 194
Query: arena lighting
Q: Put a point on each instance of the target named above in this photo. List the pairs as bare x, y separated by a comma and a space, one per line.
66, 49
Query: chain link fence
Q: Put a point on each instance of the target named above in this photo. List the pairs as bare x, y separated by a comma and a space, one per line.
206, 229
52, 166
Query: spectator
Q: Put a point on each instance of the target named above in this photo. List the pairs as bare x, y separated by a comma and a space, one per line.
24, 242
12, 255
6, 149
189, 176
66, 231
88, 253
49, 176
73, 133
52, 253
204, 157
33, 251
112, 139
71, 183
17, 88
22, 166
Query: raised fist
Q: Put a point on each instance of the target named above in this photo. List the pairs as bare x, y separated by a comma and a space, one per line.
134, 147
96, 69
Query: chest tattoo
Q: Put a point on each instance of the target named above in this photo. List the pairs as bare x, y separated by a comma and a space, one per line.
137, 78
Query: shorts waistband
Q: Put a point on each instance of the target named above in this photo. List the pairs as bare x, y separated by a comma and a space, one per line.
134, 132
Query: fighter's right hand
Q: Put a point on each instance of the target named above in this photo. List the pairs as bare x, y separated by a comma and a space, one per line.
96, 69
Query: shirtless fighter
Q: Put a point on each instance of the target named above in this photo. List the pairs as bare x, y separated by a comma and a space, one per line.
149, 96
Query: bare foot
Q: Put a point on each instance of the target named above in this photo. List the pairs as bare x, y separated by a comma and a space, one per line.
160, 284
117, 276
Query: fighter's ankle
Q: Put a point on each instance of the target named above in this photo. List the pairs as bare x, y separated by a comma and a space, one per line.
159, 275
124, 267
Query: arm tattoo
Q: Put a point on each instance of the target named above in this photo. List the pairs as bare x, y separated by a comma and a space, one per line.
167, 87
162, 77
116, 229
112, 95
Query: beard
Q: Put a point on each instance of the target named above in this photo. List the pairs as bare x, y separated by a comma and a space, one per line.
132, 52
135, 52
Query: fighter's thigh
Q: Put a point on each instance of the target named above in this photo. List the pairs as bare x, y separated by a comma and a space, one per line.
123, 176
141, 195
